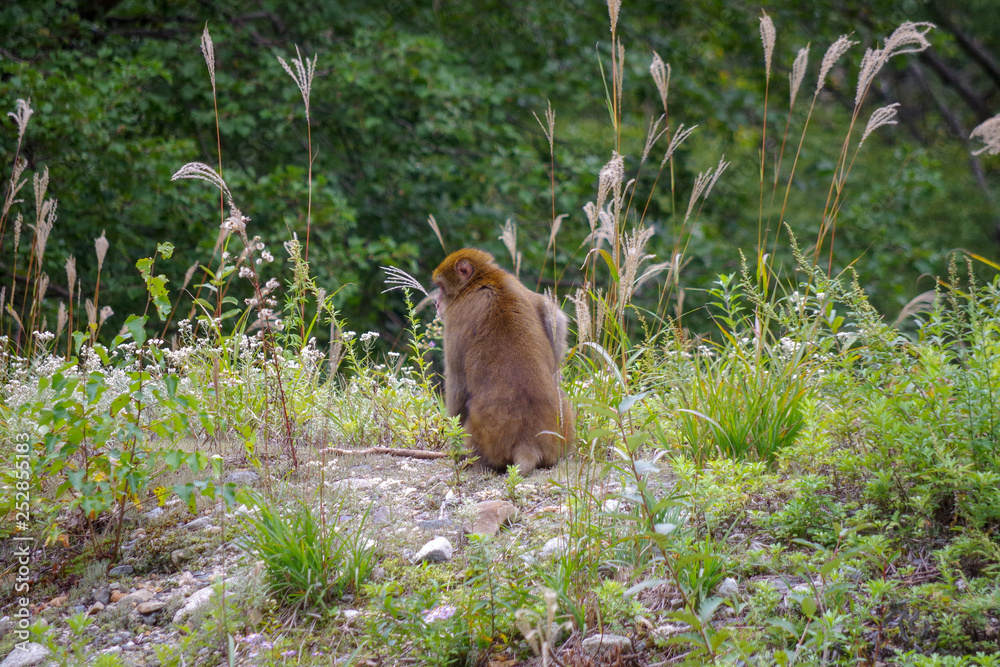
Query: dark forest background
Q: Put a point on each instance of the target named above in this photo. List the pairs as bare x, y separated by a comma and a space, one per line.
426, 108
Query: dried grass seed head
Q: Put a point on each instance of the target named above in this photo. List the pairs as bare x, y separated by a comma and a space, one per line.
201, 171
71, 274
43, 286
21, 115
44, 227
208, 50
61, 319
610, 179
18, 223
101, 248
549, 126
614, 6
508, 235
767, 38
584, 324
437, 230
400, 279
40, 181
675, 141
303, 74
661, 76
653, 135
16, 183
882, 116
989, 132
797, 74
830, 58
907, 38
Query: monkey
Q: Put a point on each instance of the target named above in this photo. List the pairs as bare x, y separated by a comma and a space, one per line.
503, 345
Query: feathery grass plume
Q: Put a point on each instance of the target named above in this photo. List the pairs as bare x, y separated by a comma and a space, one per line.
830, 58
208, 50
18, 221
61, 319
509, 237
613, 7
21, 116
797, 74
101, 248
601, 230
700, 183
16, 184
635, 244
661, 76
610, 179
653, 135
721, 167
43, 286
651, 272
303, 74
71, 274
907, 38
549, 126
105, 313
882, 116
989, 132
593, 217
201, 171
189, 274
44, 227
556, 225
437, 231
91, 312
675, 141
767, 37
581, 304
41, 185
400, 279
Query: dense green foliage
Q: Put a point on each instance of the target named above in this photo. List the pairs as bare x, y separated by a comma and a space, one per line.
420, 110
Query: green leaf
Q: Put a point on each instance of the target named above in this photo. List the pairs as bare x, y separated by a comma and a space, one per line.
120, 402
135, 324
186, 493
627, 402
165, 249
809, 606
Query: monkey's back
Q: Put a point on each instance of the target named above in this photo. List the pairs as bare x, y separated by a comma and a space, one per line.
497, 346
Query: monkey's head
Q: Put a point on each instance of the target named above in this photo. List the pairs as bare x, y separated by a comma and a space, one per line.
456, 272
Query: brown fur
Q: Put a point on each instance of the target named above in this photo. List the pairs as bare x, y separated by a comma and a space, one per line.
503, 345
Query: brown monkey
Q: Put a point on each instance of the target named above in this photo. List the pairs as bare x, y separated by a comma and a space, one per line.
503, 345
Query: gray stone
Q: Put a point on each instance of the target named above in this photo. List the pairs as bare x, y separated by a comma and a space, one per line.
199, 523
180, 556
241, 477
95, 608
437, 550
32, 654
150, 607
138, 597
492, 515
599, 644
121, 571
102, 595
154, 513
556, 545
198, 599
727, 588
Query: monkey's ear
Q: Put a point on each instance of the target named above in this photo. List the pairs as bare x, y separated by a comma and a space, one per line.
464, 269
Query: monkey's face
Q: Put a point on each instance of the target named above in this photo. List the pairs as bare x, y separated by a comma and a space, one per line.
451, 277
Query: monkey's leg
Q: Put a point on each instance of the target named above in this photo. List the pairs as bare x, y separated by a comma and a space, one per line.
526, 458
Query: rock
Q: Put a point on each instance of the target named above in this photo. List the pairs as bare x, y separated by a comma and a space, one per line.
599, 644
95, 608
728, 588
180, 556
350, 614
150, 607
433, 525
199, 523
241, 477
32, 654
492, 515
112, 650
197, 599
115, 586
138, 597
121, 571
437, 550
58, 601
555, 545
102, 595
186, 578
670, 630
116, 596
154, 513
